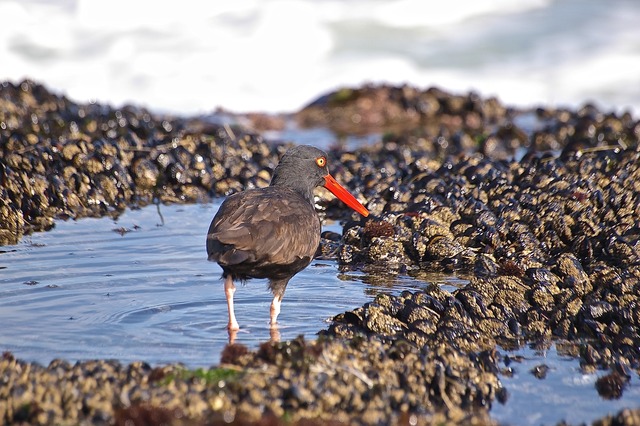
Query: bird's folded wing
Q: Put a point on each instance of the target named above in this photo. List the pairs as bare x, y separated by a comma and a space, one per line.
260, 229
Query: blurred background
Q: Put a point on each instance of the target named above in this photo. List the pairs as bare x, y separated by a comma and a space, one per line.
190, 56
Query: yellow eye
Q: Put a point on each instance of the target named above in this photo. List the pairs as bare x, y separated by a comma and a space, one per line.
321, 161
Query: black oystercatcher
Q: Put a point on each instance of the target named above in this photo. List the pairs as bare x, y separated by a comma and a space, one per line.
273, 232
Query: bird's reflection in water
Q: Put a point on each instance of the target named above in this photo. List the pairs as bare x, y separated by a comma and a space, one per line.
274, 334
233, 334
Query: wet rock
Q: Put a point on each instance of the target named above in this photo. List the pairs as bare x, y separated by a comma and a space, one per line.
146, 173
540, 371
385, 251
379, 322
550, 244
623, 417
611, 385
91, 160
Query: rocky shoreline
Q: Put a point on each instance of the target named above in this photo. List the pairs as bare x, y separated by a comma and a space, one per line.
541, 209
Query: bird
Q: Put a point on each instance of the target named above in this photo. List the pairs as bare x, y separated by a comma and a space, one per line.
273, 232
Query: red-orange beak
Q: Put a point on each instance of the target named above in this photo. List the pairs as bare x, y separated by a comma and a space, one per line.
336, 189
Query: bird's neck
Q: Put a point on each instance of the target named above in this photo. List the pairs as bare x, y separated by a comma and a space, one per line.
296, 185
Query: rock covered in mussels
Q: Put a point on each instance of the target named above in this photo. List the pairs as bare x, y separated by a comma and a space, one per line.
62, 159
543, 222
551, 241
552, 244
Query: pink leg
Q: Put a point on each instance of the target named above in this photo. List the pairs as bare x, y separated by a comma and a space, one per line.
274, 333
275, 310
229, 290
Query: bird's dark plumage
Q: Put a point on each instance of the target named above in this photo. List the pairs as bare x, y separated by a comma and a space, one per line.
247, 242
273, 232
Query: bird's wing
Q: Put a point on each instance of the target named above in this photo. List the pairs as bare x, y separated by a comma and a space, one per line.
254, 226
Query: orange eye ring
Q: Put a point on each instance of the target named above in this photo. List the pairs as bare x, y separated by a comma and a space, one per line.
321, 161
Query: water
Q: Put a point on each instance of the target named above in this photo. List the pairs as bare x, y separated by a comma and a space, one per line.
278, 55
140, 288
565, 394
